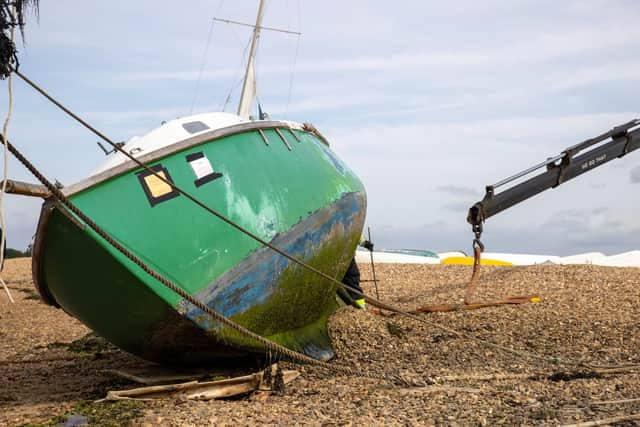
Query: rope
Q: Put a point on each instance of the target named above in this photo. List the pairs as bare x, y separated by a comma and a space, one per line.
3, 229
473, 283
223, 218
469, 304
173, 186
270, 345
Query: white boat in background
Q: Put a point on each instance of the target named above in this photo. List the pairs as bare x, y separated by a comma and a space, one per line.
449, 254
586, 258
625, 259
363, 257
521, 259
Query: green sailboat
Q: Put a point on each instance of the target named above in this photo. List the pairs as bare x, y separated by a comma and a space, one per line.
277, 179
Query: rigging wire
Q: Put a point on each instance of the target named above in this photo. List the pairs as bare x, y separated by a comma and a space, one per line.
292, 75
3, 239
241, 73
204, 58
293, 67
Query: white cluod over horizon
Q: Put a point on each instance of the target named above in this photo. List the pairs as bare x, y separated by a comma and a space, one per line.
426, 102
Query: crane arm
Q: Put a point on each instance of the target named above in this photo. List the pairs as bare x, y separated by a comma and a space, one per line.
570, 163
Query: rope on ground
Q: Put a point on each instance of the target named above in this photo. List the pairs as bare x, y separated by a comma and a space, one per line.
541, 375
469, 304
615, 402
606, 421
473, 284
43, 360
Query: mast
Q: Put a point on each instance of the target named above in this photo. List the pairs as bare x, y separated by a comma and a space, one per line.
249, 85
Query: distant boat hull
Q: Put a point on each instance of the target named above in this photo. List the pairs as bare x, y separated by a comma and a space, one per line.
288, 188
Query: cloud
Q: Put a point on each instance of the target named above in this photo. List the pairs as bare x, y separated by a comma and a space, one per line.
543, 48
128, 116
518, 140
635, 175
187, 75
427, 113
21, 216
457, 190
440, 237
460, 207
324, 103
432, 66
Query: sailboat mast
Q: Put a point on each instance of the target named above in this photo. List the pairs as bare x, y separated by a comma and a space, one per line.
249, 85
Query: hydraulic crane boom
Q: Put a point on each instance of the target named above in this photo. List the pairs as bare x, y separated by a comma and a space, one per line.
572, 162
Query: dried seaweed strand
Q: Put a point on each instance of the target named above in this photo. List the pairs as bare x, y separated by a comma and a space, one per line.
605, 421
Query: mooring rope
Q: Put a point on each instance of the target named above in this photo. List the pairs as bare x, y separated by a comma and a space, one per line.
187, 194
276, 348
268, 344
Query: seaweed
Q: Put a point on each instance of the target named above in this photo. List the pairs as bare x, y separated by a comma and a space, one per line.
108, 414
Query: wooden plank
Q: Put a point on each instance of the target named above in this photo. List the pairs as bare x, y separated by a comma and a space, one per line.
205, 390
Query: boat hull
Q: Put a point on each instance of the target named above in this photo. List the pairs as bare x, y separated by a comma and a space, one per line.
292, 192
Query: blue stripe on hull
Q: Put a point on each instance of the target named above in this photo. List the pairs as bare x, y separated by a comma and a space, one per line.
325, 239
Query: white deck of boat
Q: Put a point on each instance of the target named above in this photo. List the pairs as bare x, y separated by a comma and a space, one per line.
169, 133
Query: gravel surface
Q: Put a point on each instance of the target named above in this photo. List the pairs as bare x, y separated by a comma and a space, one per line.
50, 366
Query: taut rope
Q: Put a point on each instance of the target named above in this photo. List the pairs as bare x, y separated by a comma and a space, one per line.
276, 348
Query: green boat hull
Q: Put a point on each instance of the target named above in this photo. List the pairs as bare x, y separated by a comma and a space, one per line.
292, 192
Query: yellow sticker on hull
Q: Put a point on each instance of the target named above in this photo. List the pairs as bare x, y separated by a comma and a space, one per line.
157, 190
156, 187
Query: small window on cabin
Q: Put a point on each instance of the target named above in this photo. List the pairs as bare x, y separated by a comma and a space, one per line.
194, 127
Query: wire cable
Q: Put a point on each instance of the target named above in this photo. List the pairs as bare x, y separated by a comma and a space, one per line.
204, 59
293, 67
202, 64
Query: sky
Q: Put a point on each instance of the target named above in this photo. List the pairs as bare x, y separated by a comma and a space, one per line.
427, 101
